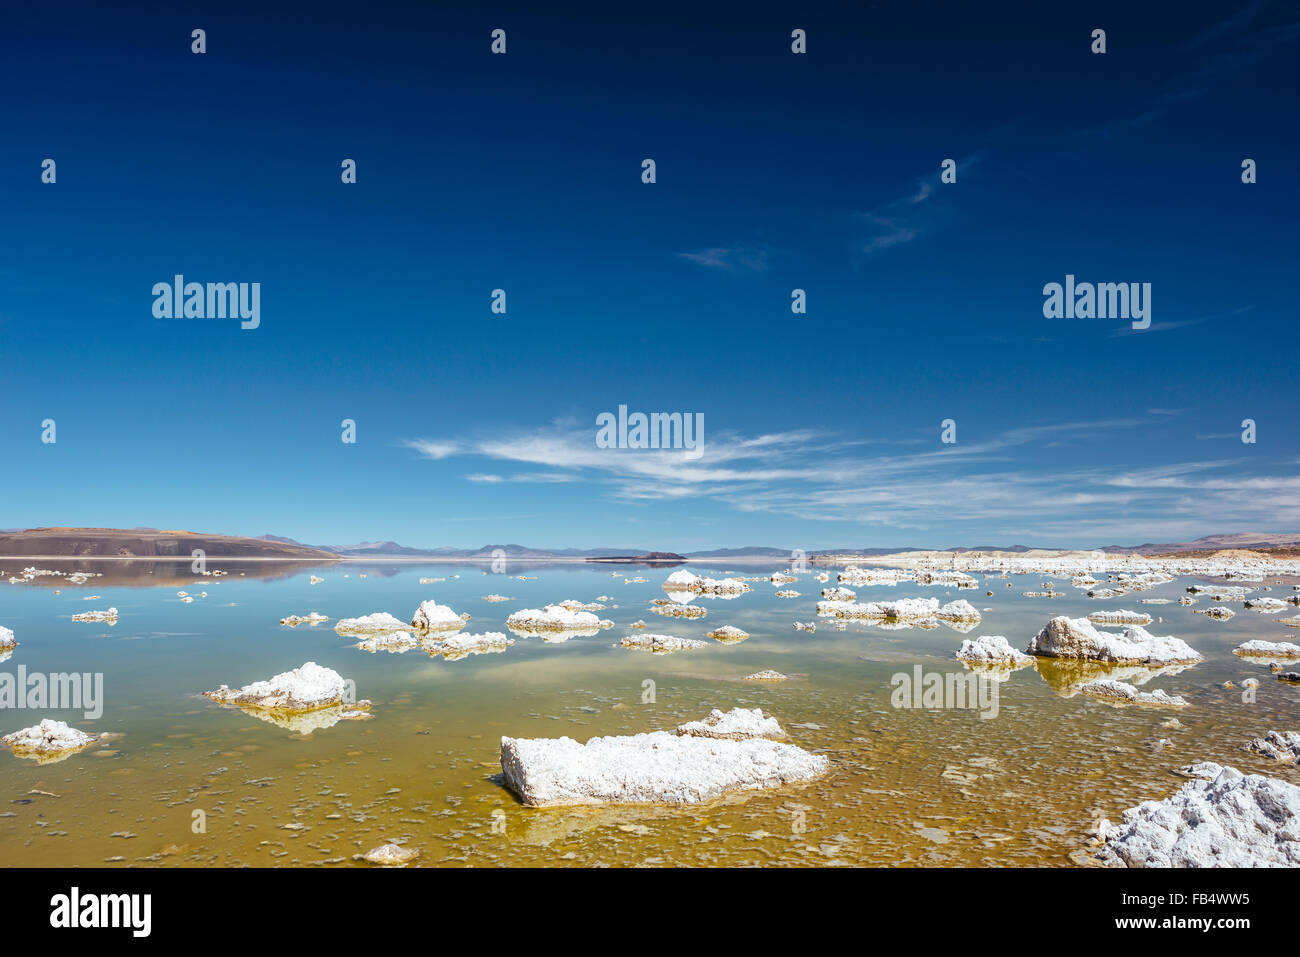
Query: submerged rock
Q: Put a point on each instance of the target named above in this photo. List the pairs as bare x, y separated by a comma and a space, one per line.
656, 767
1233, 820
1279, 745
1121, 693
1066, 676
1077, 638
391, 855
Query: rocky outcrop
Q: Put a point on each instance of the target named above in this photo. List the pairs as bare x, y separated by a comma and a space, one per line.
1077, 638
656, 767
1233, 820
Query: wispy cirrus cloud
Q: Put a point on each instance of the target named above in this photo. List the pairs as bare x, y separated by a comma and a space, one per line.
911, 216
997, 482
729, 258
1236, 44
1128, 330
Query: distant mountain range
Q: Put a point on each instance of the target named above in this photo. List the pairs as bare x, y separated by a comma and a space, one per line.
153, 543
147, 543
1243, 540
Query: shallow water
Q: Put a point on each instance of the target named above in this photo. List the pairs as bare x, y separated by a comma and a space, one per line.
905, 787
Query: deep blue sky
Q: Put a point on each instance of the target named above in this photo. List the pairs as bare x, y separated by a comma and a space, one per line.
775, 171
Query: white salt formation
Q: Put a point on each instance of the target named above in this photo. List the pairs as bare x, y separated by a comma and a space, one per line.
1218, 612
959, 610
1220, 592
303, 689
728, 633
839, 594
658, 767
853, 575
110, 615
1233, 820
1120, 617
431, 616
1265, 604
661, 644
1279, 650
390, 855
1077, 638
766, 675
379, 621
685, 581
900, 609
949, 578
675, 610
312, 618
738, 724
393, 642
1279, 745
7, 639
48, 741
461, 646
555, 618
992, 649
1122, 693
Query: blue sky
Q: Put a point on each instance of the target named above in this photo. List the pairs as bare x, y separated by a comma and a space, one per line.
775, 172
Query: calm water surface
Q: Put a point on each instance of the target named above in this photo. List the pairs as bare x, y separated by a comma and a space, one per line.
906, 786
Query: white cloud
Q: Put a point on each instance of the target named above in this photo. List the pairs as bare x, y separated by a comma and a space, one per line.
994, 484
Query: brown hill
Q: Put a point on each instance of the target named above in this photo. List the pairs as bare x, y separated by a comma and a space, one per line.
144, 543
